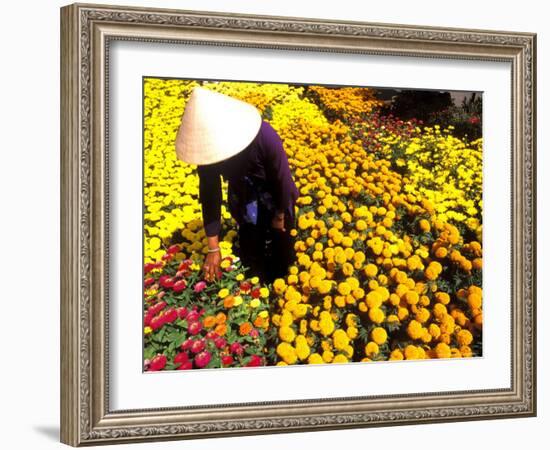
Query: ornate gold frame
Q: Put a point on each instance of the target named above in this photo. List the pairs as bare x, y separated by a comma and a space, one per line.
86, 31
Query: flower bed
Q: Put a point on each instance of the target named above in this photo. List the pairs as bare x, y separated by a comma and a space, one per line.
388, 240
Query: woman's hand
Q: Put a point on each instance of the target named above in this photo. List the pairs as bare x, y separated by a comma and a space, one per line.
278, 221
211, 266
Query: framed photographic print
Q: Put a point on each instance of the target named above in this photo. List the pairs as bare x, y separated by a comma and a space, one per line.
276, 224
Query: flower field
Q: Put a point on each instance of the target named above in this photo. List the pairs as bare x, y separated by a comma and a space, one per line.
388, 239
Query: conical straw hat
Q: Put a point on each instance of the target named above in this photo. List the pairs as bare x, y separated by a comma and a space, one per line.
215, 127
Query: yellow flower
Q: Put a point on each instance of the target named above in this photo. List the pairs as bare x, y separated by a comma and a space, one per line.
376, 315
371, 270
287, 334
328, 356
315, 358
340, 359
237, 300
255, 303
287, 353
344, 288
442, 350
340, 339
379, 335
411, 352
371, 349
396, 355
352, 332
464, 337
147, 330
254, 280
302, 347
415, 330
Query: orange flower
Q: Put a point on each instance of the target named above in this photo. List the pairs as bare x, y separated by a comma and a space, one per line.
228, 301
221, 329
245, 328
259, 322
221, 318
209, 321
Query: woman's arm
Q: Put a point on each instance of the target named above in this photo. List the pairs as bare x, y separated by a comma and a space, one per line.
210, 196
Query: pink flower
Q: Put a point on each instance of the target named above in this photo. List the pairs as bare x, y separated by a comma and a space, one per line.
199, 286
202, 359
254, 333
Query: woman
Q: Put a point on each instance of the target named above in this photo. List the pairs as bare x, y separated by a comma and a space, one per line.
226, 137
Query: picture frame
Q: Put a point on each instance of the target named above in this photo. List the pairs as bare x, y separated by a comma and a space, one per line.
87, 32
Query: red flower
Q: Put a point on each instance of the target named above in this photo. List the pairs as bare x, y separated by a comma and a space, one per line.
198, 346
167, 257
194, 328
147, 319
148, 281
170, 315
182, 312
255, 361
245, 286
184, 265
187, 365
155, 309
227, 360
220, 342
181, 358
187, 344
173, 249
157, 363
202, 359
236, 348
156, 322
193, 316
148, 267
179, 285
166, 281
255, 293
211, 335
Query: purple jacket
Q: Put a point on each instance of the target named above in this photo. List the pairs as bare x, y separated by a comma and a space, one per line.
264, 159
